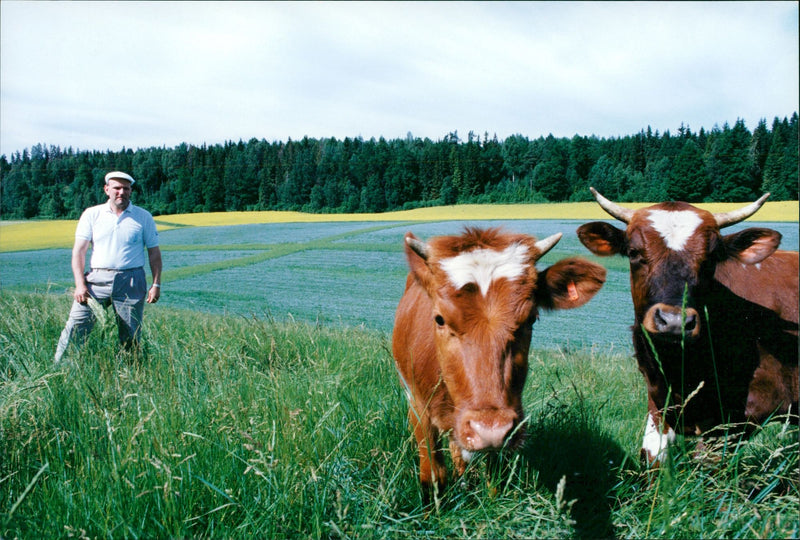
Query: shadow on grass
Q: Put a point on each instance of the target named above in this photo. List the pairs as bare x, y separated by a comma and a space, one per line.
569, 443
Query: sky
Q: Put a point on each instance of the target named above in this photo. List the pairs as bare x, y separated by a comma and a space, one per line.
112, 75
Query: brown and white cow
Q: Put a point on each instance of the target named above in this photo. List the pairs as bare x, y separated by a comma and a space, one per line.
715, 331
462, 333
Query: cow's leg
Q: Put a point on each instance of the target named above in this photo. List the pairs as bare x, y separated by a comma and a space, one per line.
773, 389
460, 457
432, 471
657, 436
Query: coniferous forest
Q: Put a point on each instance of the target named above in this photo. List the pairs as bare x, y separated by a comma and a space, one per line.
356, 175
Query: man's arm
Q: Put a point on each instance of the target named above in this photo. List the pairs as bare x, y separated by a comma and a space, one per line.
79, 251
154, 255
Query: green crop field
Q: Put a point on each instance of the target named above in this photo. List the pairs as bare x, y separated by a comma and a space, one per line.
345, 273
266, 405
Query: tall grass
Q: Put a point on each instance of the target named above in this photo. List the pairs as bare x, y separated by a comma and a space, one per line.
238, 427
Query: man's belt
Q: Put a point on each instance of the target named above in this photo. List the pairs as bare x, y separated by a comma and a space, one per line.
118, 269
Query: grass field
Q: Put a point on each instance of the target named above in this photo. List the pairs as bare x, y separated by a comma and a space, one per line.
237, 427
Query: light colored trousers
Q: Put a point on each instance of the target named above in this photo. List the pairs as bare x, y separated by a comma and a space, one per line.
126, 290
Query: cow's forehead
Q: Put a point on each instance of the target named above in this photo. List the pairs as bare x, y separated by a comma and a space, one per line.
485, 265
675, 227
675, 223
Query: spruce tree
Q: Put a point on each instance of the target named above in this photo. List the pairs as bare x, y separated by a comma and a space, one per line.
688, 179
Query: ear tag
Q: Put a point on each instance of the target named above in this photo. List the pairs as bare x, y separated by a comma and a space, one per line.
573, 291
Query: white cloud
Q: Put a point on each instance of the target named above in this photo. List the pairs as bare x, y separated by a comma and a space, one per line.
135, 74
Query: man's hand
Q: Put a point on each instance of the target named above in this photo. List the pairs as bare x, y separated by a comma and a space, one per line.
81, 294
153, 294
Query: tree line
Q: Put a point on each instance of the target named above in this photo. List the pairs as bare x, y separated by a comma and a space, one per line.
356, 175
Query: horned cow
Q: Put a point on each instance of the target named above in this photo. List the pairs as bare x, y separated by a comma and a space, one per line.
462, 333
715, 317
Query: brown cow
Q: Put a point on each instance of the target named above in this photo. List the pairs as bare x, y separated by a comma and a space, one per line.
462, 332
715, 332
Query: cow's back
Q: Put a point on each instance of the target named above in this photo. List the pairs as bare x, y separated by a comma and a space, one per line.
773, 283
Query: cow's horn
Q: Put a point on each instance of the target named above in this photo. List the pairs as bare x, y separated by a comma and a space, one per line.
735, 216
621, 213
546, 244
419, 247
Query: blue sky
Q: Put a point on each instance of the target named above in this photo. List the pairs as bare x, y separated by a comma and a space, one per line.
107, 75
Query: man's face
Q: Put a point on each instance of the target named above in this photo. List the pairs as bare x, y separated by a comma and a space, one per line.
119, 193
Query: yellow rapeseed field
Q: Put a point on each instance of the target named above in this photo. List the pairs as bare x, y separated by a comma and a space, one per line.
29, 235
26, 235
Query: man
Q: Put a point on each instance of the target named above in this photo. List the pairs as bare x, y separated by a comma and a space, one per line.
118, 232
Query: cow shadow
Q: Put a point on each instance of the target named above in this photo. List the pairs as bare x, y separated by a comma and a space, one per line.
571, 445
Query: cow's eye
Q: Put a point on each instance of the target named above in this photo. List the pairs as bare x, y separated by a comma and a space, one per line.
439, 320
470, 288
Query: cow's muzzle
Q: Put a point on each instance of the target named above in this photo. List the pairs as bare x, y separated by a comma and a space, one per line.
672, 321
487, 429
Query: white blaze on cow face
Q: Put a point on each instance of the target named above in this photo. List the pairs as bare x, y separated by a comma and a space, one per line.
483, 266
655, 443
675, 227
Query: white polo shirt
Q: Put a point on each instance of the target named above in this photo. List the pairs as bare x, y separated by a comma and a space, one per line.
117, 242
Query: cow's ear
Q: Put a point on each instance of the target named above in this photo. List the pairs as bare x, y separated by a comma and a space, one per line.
569, 283
602, 238
417, 253
751, 246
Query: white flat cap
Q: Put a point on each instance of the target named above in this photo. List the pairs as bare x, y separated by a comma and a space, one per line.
119, 175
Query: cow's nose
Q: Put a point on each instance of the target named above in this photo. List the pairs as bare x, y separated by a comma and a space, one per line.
672, 320
489, 435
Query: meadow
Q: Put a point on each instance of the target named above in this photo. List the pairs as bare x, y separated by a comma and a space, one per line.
241, 427
266, 404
